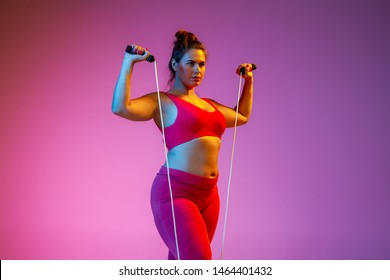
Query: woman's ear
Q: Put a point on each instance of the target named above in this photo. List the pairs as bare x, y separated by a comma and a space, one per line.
174, 64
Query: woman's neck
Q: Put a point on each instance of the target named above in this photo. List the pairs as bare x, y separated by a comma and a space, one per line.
181, 89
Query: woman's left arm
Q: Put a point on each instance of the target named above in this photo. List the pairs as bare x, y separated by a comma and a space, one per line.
246, 100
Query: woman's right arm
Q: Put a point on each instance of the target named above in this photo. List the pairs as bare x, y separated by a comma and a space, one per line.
138, 109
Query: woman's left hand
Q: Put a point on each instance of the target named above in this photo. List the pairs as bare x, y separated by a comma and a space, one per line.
247, 73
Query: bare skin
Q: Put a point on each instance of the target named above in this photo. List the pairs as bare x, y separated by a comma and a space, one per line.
198, 156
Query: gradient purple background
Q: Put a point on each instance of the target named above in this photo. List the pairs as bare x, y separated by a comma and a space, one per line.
311, 174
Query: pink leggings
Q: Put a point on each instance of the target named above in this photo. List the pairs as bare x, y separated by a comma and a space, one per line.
196, 204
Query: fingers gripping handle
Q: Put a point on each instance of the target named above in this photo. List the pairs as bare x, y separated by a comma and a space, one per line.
131, 50
242, 69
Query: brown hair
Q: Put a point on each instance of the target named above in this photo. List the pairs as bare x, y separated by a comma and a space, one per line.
184, 42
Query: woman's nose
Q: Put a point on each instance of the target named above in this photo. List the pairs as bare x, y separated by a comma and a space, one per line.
196, 68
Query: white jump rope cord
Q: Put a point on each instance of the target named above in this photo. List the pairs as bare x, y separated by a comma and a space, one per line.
231, 168
167, 161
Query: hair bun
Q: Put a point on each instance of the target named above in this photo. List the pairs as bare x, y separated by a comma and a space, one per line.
181, 34
185, 37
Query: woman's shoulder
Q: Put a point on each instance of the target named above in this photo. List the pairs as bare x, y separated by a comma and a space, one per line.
155, 95
210, 100
163, 96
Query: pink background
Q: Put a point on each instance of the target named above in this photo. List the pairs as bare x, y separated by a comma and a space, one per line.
311, 173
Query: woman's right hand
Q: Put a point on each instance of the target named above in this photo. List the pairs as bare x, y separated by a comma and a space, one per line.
137, 109
140, 54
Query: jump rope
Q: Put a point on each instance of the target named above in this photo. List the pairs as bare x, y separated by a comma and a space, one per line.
132, 50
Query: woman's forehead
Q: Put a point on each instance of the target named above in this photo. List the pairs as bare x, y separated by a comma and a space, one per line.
195, 55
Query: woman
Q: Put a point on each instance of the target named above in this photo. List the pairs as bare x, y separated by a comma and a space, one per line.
193, 130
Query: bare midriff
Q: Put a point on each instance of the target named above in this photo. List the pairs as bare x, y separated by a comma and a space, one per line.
198, 156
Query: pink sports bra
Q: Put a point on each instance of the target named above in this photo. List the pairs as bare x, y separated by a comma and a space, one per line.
193, 122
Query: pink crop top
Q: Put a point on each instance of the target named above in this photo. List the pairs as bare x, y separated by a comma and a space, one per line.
193, 122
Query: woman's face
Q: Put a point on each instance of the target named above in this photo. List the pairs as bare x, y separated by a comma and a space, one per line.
191, 68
